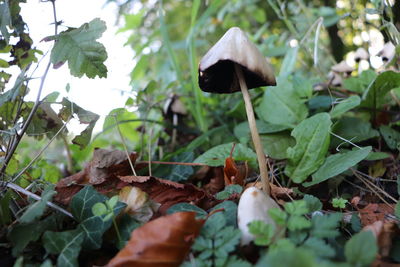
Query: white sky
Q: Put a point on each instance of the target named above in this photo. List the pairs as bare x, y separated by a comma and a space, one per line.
96, 95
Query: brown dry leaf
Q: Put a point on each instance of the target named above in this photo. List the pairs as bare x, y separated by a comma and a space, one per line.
101, 171
375, 212
234, 174
168, 193
162, 242
216, 182
139, 205
281, 192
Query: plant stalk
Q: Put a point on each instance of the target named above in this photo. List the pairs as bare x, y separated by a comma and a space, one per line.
262, 163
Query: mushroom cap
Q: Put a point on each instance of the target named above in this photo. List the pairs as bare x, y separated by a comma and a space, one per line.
388, 52
342, 67
217, 69
361, 54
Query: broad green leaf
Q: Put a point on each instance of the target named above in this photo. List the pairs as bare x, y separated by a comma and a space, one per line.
329, 14
15, 91
377, 156
321, 102
186, 207
352, 129
5, 213
312, 141
303, 86
229, 212
127, 121
345, 105
360, 84
66, 245
281, 105
79, 47
361, 249
68, 110
216, 156
275, 145
374, 96
36, 210
289, 62
338, 163
22, 234
391, 137
5, 20
242, 130
91, 225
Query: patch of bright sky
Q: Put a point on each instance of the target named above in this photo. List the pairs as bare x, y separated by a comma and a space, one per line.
97, 95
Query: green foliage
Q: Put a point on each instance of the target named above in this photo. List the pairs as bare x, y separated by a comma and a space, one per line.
66, 245
338, 163
181, 172
313, 203
216, 156
339, 202
36, 210
228, 191
354, 129
356, 248
391, 137
276, 144
282, 105
186, 207
263, 232
79, 47
345, 105
312, 141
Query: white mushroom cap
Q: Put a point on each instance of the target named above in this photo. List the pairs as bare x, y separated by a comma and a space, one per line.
388, 52
335, 79
342, 67
253, 206
361, 54
216, 69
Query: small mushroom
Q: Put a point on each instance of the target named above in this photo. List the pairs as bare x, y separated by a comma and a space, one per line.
335, 79
253, 206
388, 52
361, 54
235, 64
342, 67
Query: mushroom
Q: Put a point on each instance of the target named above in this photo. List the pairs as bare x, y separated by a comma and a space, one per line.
342, 67
235, 64
335, 79
361, 54
388, 52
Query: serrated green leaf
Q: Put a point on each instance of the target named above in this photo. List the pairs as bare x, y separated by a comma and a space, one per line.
79, 47
339, 202
297, 222
297, 207
313, 203
345, 105
391, 137
361, 249
216, 156
66, 245
352, 129
226, 241
263, 232
186, 207
325, 226
312, 142
290, 256
338, 163
281, 105
36, 210
320, 248
275, 145
375, 94
278, 215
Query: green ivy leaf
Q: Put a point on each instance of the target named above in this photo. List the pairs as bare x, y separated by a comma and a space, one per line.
229, 212
37, 209
79, 47
281, 105
361, 249
91, 225
216, 156
181, 172
228, 191
66, 245
338, 163
312, 141
345, 105
186, 207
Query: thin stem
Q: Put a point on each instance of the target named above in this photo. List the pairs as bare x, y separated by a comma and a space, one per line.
34, 196
254, 132
124, 144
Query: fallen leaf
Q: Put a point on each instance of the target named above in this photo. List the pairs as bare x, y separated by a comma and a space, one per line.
375, 212
139, 205
234, 174
165, 241
216, 180
168, 193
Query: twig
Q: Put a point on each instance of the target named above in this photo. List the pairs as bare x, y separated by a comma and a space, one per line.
124, 144
171, 163
34, 196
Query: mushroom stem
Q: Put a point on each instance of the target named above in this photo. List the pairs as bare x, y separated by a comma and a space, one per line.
262, 163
